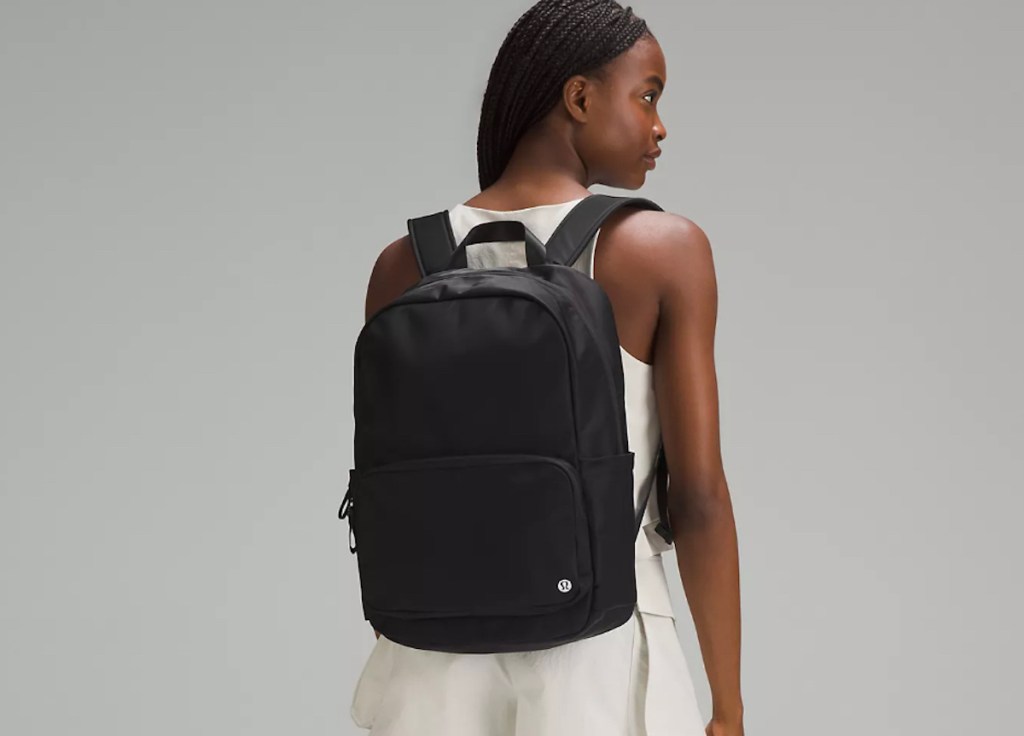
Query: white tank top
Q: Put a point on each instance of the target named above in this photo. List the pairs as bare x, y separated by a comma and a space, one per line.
643, 429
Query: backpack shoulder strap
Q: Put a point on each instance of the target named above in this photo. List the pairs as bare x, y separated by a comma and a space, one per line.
578, 227
433, 241
664, 526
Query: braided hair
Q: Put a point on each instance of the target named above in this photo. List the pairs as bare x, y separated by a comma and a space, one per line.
550, 42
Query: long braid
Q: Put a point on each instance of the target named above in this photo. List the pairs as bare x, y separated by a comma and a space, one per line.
549, 43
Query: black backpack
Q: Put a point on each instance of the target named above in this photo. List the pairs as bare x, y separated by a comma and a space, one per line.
491, 496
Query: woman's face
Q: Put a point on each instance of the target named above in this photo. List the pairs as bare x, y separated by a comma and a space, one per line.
621, 127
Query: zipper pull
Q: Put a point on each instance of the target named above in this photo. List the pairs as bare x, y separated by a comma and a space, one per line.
347, 509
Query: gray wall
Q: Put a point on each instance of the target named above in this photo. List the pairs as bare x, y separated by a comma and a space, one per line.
191, 198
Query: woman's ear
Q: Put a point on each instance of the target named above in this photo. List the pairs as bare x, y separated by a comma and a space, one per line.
576, 95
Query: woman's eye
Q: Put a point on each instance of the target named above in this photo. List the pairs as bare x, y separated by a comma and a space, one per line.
651, 94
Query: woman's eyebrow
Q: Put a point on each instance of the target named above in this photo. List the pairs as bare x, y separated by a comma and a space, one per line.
655, 79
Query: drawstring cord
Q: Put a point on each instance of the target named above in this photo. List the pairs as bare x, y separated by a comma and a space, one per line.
347, 510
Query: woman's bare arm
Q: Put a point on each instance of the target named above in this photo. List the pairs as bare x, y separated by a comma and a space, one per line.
699, 505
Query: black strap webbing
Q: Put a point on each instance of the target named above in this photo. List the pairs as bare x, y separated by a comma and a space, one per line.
664, 528
433, 241
579, 226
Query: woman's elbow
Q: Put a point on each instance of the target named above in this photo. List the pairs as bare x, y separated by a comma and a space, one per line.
699, 507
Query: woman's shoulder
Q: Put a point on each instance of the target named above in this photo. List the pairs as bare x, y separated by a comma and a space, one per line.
663, 249
656, 228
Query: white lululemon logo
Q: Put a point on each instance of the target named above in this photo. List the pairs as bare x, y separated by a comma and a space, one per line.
564, 586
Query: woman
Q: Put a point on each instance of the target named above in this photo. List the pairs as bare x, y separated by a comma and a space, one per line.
570, 102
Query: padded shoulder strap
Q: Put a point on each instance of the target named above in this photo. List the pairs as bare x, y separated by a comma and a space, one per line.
433, 241
577, 228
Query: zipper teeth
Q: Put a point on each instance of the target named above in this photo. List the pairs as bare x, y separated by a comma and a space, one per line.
452, 461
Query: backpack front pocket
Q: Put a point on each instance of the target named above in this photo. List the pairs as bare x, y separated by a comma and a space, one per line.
471, 535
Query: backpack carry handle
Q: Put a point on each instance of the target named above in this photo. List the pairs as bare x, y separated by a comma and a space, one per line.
499, 231
433, 241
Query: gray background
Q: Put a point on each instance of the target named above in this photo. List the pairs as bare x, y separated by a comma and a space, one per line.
193, 195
